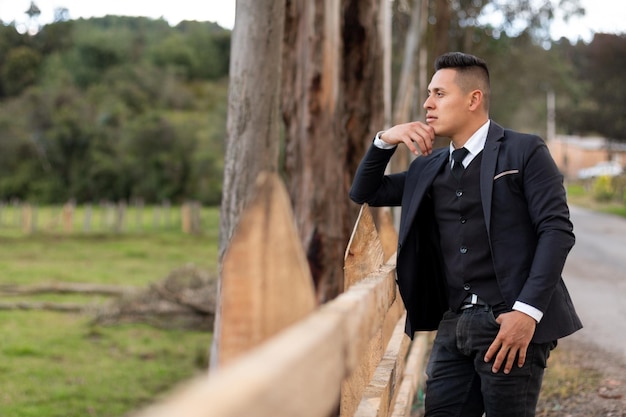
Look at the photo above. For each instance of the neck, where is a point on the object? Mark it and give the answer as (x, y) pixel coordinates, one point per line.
(459, 140)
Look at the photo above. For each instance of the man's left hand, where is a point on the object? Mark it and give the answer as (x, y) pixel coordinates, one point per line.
(516, 331)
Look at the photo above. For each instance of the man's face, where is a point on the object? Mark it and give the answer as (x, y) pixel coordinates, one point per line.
(447, 106)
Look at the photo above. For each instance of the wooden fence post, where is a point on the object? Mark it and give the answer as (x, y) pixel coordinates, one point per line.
(387, 233)
(87, 219)
(120, 216)
(139, 205)
(266, 281)
(68, 217)
(28, 225)
(364, 253)
(185, 218)
(167, 213)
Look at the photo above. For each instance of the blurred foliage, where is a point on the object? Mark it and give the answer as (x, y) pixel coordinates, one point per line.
(525, 63)
(120, 107)
(598, 107)
(113, 108)
(602, 188)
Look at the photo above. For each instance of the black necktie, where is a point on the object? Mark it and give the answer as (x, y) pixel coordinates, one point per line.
(457, 167)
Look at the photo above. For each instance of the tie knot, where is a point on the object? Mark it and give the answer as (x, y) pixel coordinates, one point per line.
(458, 155)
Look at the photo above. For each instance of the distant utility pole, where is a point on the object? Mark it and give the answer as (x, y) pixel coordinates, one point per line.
(551, 129)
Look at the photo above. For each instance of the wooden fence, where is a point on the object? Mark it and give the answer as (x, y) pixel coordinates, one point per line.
(280, 354)
(106, 217)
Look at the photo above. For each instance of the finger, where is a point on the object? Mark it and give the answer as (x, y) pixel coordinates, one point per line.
(510, 361)
(429, 130)
(427, 133)
(427, 146)
(422, 142)
(493, 350)
(521, 360)
(411, 145)
(500, 357)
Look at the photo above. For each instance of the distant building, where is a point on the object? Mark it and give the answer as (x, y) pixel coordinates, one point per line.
(574, 153)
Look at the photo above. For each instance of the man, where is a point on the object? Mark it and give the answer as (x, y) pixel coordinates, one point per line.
(484, 234)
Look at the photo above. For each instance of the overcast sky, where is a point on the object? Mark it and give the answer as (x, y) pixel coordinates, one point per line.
(602, 15)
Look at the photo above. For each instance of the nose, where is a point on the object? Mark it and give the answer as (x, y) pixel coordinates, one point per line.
(428, 103)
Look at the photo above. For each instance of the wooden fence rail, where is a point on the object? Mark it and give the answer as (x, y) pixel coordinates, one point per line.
(280, 355)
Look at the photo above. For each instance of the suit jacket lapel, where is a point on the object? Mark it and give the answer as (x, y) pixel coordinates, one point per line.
(488, 169)
(420, 184)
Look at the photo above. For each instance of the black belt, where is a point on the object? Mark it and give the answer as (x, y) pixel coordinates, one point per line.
(472, 300)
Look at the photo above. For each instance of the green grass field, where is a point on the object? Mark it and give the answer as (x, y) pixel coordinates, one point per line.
(61, 364)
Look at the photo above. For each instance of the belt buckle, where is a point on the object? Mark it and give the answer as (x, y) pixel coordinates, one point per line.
(472, 302)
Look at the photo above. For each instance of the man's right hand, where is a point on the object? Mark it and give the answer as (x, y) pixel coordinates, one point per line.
(411, 134)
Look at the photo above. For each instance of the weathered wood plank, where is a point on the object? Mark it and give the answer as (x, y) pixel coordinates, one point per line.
(396, 310)
(266, 281)
(413, 373)
(368, 324)
(298, 372)
(364, 253)
(387, 234)
(354, 385)
(363, 308)
(379, 395)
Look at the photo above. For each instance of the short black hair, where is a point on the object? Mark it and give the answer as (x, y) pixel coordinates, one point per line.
(472, 71)
(460, 61)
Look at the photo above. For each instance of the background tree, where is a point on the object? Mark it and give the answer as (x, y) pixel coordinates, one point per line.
(20, 69)
(253, 116)
(83, 103)
(331, 105)
(600, 111)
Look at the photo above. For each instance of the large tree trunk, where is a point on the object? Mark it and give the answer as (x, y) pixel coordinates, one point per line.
(332, 105)
(253, 113)
(253, 106)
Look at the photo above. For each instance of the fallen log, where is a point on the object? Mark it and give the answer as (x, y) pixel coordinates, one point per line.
(62, 307)
(66, 288)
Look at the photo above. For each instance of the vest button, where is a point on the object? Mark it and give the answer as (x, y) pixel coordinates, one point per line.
(459, 193)
(463, 250)
(463, 220)
(467, 287)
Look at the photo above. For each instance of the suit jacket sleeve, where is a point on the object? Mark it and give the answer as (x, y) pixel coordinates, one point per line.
(549, 216)
(371, 185)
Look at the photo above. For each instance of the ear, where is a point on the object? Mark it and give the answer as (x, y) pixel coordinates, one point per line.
(476, 99)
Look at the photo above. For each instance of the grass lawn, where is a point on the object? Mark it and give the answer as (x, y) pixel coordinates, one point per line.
(60, 364)
(579, 196)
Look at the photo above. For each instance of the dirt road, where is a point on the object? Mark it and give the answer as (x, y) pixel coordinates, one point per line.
(595, 274)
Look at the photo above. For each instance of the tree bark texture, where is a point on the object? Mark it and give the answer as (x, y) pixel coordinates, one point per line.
(253, 106)
(253, 129)
(332, 106)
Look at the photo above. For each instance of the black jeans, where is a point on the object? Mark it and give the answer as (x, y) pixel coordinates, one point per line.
(461, 384)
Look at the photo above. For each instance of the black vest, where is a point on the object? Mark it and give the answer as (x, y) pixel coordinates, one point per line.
(464, 244)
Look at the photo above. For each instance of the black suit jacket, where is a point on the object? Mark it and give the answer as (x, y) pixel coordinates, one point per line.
(528, 225)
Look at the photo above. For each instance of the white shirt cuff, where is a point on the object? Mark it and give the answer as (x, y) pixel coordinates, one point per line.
(528, 309)
(379, 143)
